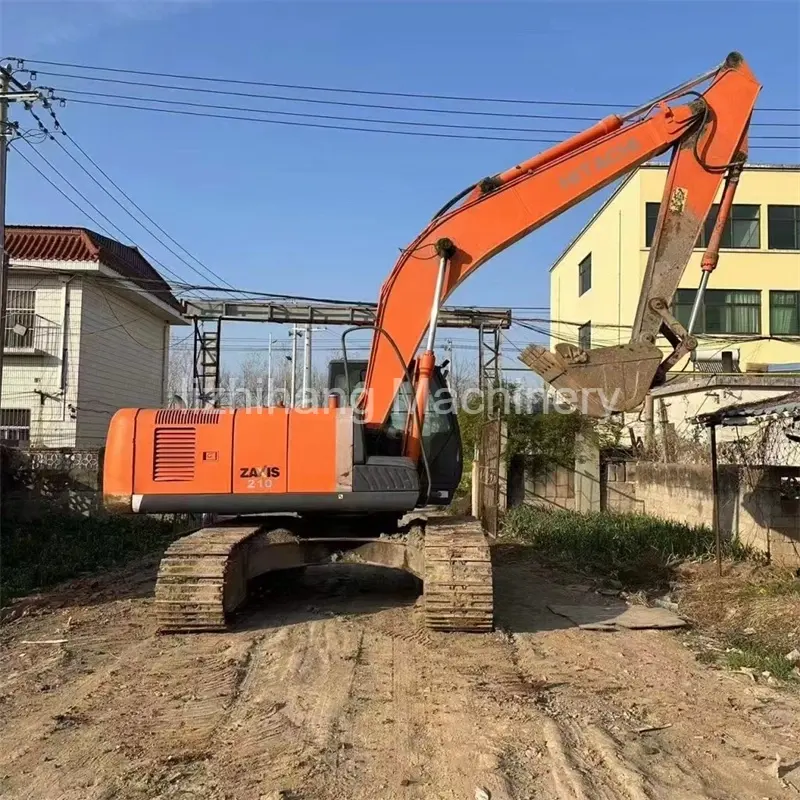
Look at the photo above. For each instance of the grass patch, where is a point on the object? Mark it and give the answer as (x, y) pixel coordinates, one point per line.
(760, 657)
(57, 545)
(634, 548)
(785, 587)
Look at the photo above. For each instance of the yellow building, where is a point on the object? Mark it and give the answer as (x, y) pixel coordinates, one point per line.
(752, 307)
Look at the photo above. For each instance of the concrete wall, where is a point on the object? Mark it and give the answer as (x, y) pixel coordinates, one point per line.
(755, 506)
(681, 492)
(576, 487)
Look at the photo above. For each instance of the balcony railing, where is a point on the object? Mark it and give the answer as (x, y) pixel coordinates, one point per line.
(27, 333)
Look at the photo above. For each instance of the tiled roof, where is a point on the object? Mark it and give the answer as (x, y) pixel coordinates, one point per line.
(52, 243)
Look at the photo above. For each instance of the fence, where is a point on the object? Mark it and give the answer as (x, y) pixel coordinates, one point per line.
(68, 479)
(492, 474)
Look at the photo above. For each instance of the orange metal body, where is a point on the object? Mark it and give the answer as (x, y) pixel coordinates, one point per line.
(212, 452)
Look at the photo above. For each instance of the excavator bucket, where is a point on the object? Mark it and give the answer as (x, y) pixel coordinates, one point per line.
(597, 382)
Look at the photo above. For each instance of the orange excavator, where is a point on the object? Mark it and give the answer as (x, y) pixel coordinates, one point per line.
(331, 483)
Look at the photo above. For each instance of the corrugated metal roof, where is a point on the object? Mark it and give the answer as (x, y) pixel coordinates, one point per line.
(55, 243)
(787, 405)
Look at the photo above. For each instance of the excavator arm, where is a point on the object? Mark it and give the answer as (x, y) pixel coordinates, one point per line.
(708, 137)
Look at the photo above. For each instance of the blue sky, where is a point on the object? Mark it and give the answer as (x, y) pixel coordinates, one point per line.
(295, 210)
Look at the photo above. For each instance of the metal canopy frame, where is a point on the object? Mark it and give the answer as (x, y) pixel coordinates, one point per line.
(207, 317)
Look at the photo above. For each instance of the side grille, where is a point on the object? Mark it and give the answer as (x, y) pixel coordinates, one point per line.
(189, 416)
(174, 454)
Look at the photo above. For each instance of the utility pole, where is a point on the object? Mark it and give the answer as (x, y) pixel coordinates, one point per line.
(293, 384)
(269, 372)
(5, 135)
(306, 401)
(6, 97)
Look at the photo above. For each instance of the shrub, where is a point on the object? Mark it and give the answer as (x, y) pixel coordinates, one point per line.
(634, 547)
(56, 546)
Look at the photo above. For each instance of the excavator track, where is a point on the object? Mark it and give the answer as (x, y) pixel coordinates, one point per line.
(200, 579)
(203, 576)
(458, 587)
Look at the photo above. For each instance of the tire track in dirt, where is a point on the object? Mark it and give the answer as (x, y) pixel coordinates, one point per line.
(360, 702)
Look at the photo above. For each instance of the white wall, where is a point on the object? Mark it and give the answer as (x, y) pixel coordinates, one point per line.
(124, 356)
(33, 381)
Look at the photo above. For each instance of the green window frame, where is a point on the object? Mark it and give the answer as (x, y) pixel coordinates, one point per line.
(733, 311)
(783, 227)
(784, 313)
(585, 275)
(742, 230)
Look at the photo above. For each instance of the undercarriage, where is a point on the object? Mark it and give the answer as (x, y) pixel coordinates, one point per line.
(204, 577)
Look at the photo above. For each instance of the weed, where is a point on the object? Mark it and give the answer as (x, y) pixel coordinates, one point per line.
(636, 548)
(783, 587)
(59, 545)
(753, 654)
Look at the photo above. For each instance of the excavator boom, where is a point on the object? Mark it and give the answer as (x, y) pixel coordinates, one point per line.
(707, 135)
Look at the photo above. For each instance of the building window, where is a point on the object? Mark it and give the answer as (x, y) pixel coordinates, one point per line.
(742, 230)
(585, 275)
(15, 425)
(723, 310)
(783, 227)
(20, 318)
(585, 336)
(784, 313)
(650, 219)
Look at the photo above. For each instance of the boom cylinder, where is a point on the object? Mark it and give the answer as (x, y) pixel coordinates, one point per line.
(597, 131)
(427, 361)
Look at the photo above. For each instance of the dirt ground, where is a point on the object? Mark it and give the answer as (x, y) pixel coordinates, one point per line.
(330, 689)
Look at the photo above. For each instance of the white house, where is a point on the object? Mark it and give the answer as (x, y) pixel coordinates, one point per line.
(86, 332)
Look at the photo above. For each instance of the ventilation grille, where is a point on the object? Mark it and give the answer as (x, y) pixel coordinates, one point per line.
(189, 416)
(174, 456)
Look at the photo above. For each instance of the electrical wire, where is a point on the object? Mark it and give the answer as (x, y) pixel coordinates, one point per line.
(60, 91)
(206, 269)
(349, 128)
(57, 125)
(342, 90)
(77, 206)
(137, 221)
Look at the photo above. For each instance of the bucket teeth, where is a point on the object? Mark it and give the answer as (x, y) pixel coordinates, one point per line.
(601, 381)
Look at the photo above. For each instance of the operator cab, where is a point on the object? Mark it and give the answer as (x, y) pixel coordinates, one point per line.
(441, 438)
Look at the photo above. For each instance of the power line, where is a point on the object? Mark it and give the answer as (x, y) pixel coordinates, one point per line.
(246, 109)
(207, 269)
(57, 125)
(343, 90)
(345, 103)
(319, 101)
(127, 211)
(346, 127)
(314, 124)
(309, 115)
